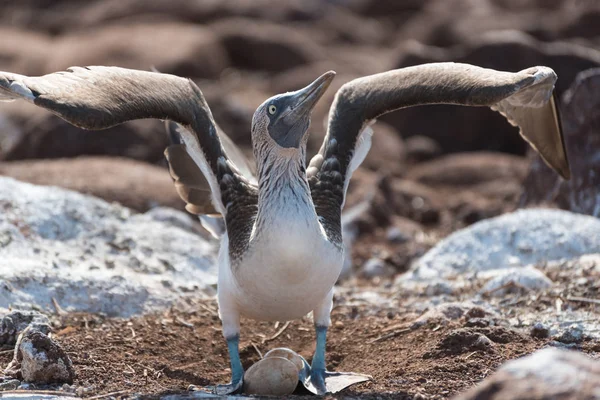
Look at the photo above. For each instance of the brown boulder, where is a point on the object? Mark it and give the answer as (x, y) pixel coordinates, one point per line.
(176, 48)
(470, 169)
(421, 148)
(66, 15)
(23, 52)
(581, 119)
(28, 131)
(132, 183)
(387, 153)
(255, 45)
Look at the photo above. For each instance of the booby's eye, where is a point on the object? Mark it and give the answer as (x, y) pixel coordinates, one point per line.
(272, 109)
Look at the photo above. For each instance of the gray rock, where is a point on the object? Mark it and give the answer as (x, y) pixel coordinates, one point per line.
(16, 321)
(38, 359)
(580, 114)
(573, 334)
(10, 384)
(396, 235)
(529, 278)
(462, 340)
(444, 312)
(375, 267)
(546, 374)
(521, 238)
(93, 256)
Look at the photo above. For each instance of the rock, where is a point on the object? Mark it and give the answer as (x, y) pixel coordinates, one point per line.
(24, 51)
(179, 219)
(91, 14)
(470, 169)
(539, 331)
(396, 235)
(387, 153)
(529, 278)
(54, 238)
(442, 314)
(375, 8)
(525, 237)
(37, 133)
(38, 359)
(15, 322)
(421, 148)
(10, 384)
(375, 267)
(573, 334)
(181, 49)
(274, 376)
(338, 25)
(580, 119)
(412, 200)
(461, 341)
(544, 375)
(264, 46)
(134, 184)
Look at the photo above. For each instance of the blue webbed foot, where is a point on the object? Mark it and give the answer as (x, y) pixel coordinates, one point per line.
(318, 380)
(321, 381)
(233, 387)
(230, 388)
(237, 372)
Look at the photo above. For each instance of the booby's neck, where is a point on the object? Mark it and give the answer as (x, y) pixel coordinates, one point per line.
(283, 191)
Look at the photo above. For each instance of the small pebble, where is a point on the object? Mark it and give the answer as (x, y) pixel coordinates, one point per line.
(539, 331)
(477, 323)
(395, 235)
(374, 267)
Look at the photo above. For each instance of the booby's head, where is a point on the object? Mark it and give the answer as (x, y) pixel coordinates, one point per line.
(282, 121)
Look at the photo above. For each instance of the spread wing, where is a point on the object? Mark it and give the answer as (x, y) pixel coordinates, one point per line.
(190, 183)
(525, 98)
(100, 97)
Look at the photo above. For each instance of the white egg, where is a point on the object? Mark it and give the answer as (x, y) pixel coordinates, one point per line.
(286, 353)
(275, 376)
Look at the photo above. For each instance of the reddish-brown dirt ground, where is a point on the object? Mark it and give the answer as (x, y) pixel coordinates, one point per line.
(165, 353)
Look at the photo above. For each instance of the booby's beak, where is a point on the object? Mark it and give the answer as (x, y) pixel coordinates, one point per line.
(303, 101)
(290, 115)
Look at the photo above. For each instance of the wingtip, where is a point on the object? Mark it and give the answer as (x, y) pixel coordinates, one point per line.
(565, 172)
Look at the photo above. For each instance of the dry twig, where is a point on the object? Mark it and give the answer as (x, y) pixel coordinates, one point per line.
(277, 334)
(389, 335)
(105, 395)
(583, 299)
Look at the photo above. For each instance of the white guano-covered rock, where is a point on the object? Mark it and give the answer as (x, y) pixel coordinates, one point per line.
(93, 256)
(546, 374)
(525, 237)
(528, 278)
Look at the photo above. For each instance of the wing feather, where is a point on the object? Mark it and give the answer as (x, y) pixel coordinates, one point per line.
(525, 98)
(99, 97)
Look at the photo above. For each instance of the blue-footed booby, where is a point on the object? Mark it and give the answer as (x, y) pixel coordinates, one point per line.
(281, 250)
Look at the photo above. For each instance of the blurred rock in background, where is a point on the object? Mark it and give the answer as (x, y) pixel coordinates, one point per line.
(241, 52)
(581, 121)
